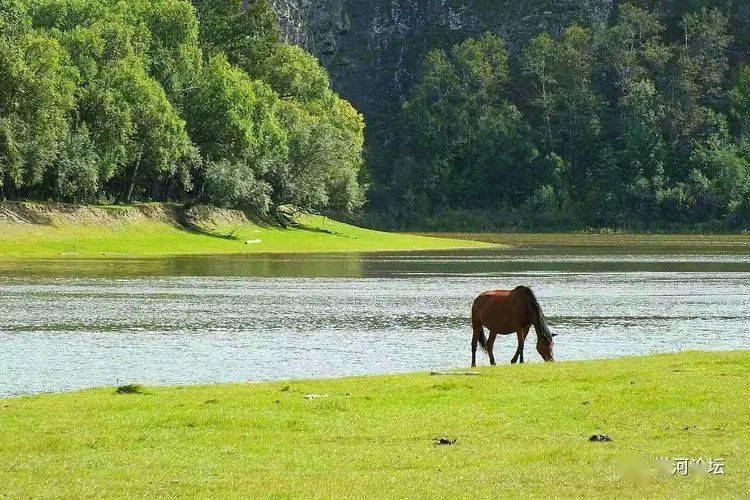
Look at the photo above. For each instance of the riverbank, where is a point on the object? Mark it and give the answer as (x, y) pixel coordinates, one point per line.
(509, 431)
(610, 241)
(35, 230)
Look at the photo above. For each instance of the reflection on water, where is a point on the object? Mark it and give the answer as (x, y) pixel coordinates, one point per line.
(70, 324)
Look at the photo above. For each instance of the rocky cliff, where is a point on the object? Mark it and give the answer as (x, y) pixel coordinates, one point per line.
(372, 48)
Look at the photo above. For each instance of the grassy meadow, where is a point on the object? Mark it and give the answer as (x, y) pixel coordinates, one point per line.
(509, 431)
(114, 231)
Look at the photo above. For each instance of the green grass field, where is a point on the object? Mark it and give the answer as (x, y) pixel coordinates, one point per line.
(144, 237)
(519, 430)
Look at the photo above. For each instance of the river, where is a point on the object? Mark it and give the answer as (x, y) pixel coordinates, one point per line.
(69, 324)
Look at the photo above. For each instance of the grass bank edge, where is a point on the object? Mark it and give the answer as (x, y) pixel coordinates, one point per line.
(145, 238)
(534, 367)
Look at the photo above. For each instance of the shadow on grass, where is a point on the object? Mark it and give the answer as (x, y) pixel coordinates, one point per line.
(322, 230)
(188, 219)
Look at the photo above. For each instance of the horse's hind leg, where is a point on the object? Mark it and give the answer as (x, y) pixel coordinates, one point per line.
(474, 343)
(490, 345)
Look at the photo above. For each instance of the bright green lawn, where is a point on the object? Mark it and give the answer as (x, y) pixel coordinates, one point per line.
(519, 431)
(152, 238)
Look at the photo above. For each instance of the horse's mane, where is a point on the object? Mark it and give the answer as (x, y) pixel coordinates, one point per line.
(542, 328)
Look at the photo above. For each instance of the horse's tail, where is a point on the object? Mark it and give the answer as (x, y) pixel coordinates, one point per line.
(542, 327)
(478, 329)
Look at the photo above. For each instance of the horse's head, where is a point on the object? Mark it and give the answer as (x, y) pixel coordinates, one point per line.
(545, 346)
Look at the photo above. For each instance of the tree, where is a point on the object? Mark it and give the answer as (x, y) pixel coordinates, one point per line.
(538, 61)
(76, 169)
(324, 158)
(35, 98)
(175, 56)
(720, 176)
(232, 120)
(739, 98)
(247, 31)
(129, 112)
(641, 148)
(564, 108)
(634, 46)
(468, 136)
(706, 41)
(131, 100)
(294, 74)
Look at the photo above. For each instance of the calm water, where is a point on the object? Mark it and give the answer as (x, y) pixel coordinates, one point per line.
(73, 324)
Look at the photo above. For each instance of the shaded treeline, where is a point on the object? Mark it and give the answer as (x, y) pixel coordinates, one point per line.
(643, 122)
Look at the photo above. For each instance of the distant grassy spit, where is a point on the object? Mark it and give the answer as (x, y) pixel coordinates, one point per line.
(151, 230)
(508, 431)
(656, 242)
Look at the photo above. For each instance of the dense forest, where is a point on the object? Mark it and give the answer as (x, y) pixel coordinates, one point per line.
(643, 122)
(135, 100)
(640, 120)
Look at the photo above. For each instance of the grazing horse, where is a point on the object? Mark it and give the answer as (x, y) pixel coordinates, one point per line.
(504, 312)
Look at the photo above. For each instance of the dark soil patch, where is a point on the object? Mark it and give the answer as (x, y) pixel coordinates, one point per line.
(442, 441)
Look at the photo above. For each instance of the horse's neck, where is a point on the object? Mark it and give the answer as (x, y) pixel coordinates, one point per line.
(541, 332)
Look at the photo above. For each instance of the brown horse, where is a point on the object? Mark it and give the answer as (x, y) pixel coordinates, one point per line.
(507, 311)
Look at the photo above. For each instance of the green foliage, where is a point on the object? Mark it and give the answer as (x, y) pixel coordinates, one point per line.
(236, 185)
(640, 122)
(233, 117)
(247, 31)
(740, 102)
(36, 96)
(77, 169)
(295, 74)
(324, 156)
(168, 100)
(467, 137)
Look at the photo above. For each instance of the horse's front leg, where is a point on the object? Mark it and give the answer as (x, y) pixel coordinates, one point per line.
(522, 340)
(490, 345)
(519, 350)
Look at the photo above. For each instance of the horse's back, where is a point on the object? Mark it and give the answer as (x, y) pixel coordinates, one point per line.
(500, 296)
(502, 311)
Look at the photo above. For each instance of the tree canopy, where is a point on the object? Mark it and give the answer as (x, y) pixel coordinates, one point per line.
(642, 122)
(639, 121)
(126, 100)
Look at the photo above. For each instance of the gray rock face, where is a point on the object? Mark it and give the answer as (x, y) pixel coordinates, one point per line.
(373, 48)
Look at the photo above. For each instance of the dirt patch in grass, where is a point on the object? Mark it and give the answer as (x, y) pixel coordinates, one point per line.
(62, 214)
